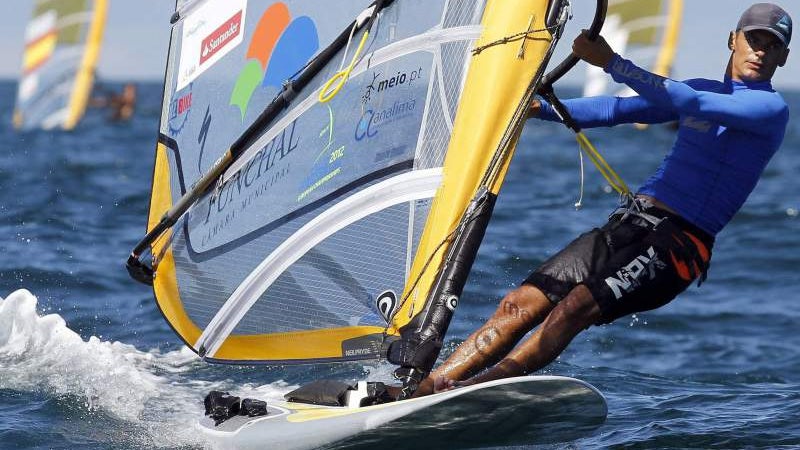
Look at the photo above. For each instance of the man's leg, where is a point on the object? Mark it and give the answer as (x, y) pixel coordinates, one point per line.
(519, 312)
(576, 312)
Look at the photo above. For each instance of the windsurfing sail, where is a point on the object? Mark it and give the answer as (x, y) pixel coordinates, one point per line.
(323, 176)
(646, 31)
(62, 44)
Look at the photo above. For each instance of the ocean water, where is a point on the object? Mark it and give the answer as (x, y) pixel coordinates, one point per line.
(86, 360)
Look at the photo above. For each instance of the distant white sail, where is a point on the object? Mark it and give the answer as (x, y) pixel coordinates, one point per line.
(62, 43)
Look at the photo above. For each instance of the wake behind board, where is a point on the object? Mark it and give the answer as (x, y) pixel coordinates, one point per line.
(513, 411)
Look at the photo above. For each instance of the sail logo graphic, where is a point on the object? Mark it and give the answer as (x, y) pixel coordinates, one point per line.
(367, 127)
(279, 47)
(209, 33)
(387, 305)
(197, 27)
(179, 109)
(220, 37)
(268, 167)
(399, 79)
(328, 163)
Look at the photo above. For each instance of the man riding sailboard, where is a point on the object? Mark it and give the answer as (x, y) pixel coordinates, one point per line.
(659, 241)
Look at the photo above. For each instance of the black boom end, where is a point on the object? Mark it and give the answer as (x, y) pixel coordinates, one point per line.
(139, 271)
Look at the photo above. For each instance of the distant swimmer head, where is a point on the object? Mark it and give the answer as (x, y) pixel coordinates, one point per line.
(768, 17)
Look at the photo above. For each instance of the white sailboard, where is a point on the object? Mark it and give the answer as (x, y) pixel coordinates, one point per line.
(513, 411)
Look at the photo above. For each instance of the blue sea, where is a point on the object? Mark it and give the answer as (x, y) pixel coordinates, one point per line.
(87, 362)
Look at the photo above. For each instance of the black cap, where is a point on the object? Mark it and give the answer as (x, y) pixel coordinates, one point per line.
(768, 17)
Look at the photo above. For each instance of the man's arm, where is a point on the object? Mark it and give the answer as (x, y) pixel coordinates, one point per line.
(758, 112)
(604, 111)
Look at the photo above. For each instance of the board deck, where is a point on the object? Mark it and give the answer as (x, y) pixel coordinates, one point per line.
(512, 411)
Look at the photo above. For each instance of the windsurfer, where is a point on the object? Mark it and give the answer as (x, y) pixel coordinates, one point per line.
(659, 241)
(120, 105)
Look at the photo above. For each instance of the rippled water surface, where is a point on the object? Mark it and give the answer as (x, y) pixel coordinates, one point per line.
(86, 361)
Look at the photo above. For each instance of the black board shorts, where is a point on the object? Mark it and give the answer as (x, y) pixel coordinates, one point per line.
(629, 265)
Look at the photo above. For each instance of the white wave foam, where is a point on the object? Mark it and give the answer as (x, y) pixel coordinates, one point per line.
(152, 392)
(41, 353)
(149, 391)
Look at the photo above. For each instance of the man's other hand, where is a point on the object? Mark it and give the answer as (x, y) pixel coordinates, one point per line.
(535, 109)
(597, 53)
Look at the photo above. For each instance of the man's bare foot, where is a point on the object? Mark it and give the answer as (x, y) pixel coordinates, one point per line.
(394, 391)
(442, 384)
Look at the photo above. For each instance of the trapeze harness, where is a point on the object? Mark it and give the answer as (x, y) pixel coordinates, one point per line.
(693, 244)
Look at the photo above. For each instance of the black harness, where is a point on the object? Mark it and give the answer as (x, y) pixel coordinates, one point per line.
(668, 230)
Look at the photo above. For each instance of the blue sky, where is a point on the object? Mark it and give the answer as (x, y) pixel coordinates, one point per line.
(138, 32)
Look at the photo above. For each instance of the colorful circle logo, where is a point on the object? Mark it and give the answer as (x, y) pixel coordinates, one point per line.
(279, 48)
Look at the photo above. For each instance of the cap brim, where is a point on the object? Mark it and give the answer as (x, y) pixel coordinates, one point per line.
(766, 28)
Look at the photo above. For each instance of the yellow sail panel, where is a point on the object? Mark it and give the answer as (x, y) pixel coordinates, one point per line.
(497, 80)
(165, 283)
(315, 345)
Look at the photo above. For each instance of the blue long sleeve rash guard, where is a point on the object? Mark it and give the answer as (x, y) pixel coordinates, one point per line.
(728, 131)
